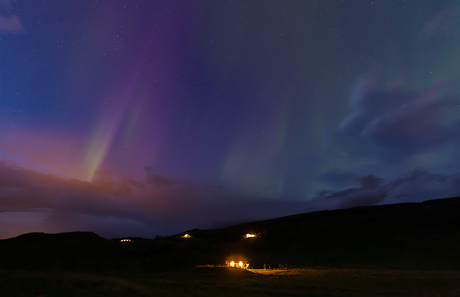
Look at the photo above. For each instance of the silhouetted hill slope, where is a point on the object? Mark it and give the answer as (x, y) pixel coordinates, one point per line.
(406, 236)
(70, 251)
(86, 251)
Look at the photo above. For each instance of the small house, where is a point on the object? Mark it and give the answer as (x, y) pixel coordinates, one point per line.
(250, 235)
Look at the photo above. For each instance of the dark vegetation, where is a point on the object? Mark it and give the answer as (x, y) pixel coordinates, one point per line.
(322, 250)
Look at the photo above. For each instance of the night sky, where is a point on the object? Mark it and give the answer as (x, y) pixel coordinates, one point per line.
(145, 118)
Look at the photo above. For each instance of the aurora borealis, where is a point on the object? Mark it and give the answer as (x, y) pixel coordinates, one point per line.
(144, 118)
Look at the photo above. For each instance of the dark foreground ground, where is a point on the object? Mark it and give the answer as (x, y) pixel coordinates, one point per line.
(235, 282)
(410, 249)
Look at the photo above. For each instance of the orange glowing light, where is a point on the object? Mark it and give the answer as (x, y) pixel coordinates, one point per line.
(250, 235)
(125, 240)
(239, 264)
(186, 236)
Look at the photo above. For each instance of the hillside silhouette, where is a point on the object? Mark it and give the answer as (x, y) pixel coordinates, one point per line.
(399, 236)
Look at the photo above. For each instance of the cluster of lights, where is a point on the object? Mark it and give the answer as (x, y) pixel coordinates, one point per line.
(125, 240)
(250, 235)
(239, 264)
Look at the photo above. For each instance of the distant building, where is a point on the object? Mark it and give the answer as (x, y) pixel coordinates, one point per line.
(126, 240)
(237, 264)
(186, 236)
(250, 235)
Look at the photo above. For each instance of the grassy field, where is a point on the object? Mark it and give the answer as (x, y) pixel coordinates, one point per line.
(235, 282)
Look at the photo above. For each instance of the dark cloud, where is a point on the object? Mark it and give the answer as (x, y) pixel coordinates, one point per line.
(424, 185)
(338, 179)
(118, 206)
(420, 185)
(370, 181)
(159, 181)
(372, 190)
(114, 206)
(392, 124)
(390, 129)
